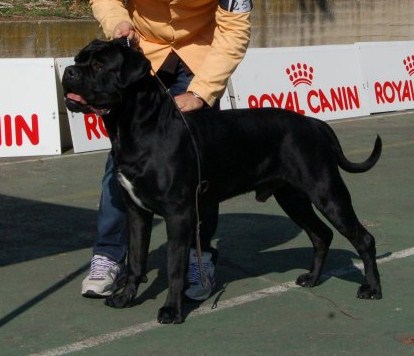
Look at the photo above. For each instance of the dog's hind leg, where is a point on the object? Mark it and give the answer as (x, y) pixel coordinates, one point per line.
(339, 211)
(140, 225)
(180, 230)
(299, 208)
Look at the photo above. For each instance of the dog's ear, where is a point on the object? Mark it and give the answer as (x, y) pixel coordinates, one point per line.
(85, 53)
(134, 68)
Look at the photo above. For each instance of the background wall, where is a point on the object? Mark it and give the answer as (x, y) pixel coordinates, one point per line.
(45, 38)
(276, 23)
(280, 23)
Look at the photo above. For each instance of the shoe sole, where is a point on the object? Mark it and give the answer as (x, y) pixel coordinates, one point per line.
(93, 295)
(119, 283)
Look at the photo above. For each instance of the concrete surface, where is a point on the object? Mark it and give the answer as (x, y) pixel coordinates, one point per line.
(47, 227)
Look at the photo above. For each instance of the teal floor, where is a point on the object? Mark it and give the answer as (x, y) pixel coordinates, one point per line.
(47, 227)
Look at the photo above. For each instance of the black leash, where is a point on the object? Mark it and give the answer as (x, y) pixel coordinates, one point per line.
(199, 190)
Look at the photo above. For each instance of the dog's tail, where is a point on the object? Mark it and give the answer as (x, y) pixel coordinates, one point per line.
(361, 167)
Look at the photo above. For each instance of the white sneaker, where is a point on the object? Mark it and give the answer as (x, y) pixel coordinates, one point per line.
(105, 277)
(196, 290)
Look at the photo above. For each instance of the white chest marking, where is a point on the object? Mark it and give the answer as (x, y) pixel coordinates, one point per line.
(130, 189)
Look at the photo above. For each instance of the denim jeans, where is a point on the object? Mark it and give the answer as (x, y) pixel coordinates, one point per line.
(112, 239)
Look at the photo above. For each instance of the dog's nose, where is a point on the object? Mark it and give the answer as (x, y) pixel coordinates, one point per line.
(69, 73)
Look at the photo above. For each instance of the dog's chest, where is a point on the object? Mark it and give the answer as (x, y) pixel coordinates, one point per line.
(130, 189)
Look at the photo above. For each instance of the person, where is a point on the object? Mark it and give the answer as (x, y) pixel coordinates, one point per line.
(194, 47)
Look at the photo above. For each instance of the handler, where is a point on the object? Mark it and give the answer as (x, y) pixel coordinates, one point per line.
(194, 46)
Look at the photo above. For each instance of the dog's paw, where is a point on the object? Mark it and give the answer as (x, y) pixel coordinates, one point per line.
(366, 292)
(168, 315)
(119, 301)
(307, 280)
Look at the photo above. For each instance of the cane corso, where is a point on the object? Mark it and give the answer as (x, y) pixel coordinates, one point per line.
(165, 158)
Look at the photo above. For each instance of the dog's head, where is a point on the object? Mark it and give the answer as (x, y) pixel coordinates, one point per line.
(102, 72)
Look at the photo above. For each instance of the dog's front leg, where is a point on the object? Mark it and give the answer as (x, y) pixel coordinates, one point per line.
(139, 224)
(180, 230)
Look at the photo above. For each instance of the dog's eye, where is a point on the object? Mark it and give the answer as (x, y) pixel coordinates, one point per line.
(97, 66)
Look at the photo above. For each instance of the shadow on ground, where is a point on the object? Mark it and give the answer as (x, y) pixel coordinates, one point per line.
(247, 244)
(32, 229)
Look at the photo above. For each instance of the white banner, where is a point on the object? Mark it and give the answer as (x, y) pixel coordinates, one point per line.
(388, 69)
(29, 116)
(225, 101)
(324, 81)
(87, 130)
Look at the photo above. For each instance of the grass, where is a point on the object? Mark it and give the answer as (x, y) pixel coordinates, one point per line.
(72, 9)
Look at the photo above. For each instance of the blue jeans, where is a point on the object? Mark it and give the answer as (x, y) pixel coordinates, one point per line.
(112, 239)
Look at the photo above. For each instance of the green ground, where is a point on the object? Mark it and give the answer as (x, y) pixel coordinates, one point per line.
(47, 226)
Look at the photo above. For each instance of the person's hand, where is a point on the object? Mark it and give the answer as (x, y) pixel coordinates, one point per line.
(125, 29)
(188, 102)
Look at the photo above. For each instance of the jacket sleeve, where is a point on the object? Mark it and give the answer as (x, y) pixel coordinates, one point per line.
(109, 13)
(230, 42)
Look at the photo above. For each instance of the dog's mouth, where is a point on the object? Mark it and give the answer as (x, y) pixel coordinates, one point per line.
(76, 103)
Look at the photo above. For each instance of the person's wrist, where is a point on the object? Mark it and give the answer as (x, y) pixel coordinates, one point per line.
(195, 95)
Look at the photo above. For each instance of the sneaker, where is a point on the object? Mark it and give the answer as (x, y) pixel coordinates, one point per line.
(196, 290)
(105, 277)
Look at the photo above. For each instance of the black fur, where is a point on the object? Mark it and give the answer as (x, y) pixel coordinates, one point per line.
(271, 151)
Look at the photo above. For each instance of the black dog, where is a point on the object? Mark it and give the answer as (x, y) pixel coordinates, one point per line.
(163, 155)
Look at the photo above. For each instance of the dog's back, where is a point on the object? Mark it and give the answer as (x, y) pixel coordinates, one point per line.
(243, 149)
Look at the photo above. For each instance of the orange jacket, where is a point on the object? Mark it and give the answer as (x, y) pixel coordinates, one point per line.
(210, 40)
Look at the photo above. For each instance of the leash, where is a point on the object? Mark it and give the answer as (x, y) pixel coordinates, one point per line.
(199, 190)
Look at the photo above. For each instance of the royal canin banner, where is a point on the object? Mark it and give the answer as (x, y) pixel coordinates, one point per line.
(29, 116)
(388, 69)
(324, 81)
(225, 101)
(327, 82)
(87, 130)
